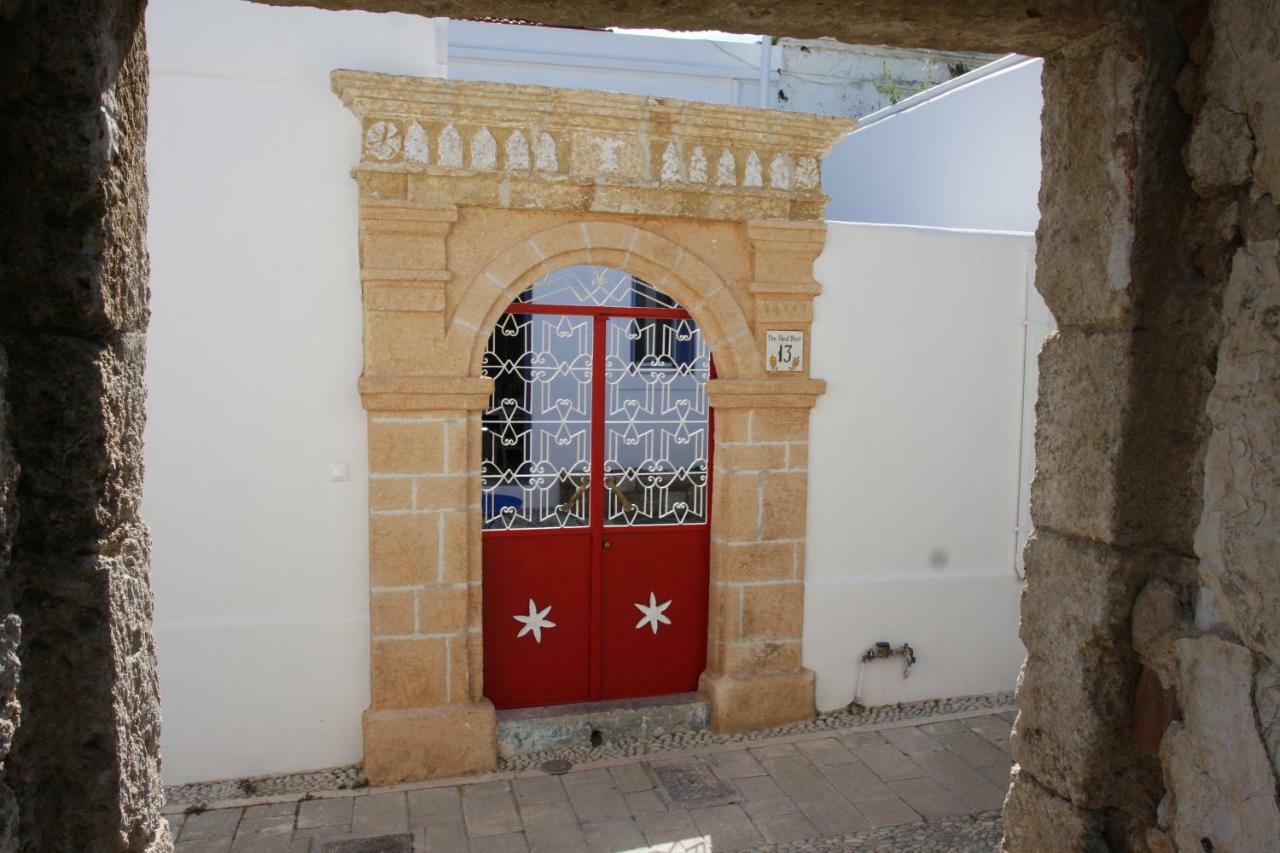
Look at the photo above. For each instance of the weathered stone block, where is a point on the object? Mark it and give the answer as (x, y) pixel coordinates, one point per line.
(426, 743)
(409, 673)
(1036, 820)
(404, 549)
(784, 498)
(391, 613)
(742, 704)
(762, 561)
(442, 610)
(1218, 775)
(1081, 413)
(406, 447)
(773, 611)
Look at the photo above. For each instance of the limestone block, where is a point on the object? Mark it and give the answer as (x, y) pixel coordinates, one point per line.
(1037, 820)
(409, 673)
(1078, 681)
(773, 611)
(404, 549)
(406, 447)
(742, 704)
(1236, 537)
(783, 497)
(391, 613)
(744, 660)
(1217, 772)
(762, 561)
(1081, 413)
(426, 743)
(442, 609)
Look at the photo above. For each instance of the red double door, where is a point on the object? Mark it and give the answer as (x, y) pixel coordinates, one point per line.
(596, 504)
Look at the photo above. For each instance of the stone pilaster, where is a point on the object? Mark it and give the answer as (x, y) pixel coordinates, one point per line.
(754, 674)
(426, 715)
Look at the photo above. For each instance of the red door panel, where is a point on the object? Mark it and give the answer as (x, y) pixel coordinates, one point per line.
(553, 569)
(671, 565)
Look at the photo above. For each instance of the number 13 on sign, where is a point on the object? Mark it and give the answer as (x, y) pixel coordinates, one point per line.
(784, 351)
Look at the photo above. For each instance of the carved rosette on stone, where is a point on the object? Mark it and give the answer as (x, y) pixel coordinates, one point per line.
(468, 193)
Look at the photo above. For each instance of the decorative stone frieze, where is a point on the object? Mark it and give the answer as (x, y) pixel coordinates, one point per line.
(589, 151)
(469, 192)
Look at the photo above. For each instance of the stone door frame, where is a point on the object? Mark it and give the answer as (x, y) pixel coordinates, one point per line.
(469, 192)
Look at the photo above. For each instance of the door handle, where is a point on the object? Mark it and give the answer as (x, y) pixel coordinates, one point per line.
(608, 544)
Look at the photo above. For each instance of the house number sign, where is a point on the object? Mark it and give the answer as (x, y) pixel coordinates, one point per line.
(784, 351)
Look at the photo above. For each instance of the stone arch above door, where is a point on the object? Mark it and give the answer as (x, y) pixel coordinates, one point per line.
(467, 193)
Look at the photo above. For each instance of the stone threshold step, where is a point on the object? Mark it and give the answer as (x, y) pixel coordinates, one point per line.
(526, 730)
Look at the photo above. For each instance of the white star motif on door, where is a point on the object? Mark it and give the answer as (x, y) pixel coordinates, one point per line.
(535, 621)
(653, 614)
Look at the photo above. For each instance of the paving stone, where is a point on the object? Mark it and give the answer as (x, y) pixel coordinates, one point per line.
(630, 777)
(796, 775)
(989, 726)
(259, 842)
(599, 776)
(271, 810)
(769, 808)
(300, 845)
(1005, 746)
(551, 825)
(728, 827)
(273, 825)
(612, 836)
(911, 741)
(597, 803)
(644, 802)
(538, 789)
(204, 845)
(974, 750)
(998, 776)
(831, 813)
(929, 798)
(826, 750)
(491, 814)
(855, 781)
(218, 823)
(854, 740)
(327, 812)
(759, 788)
(786, 827)
(777, 750)
(943, 727)
(323, 831)
(434, 805)
(890, 811)
(480, 789)
(977, 792)
(510, 843)
(887, 762)
(377, 814)
(451, 838)
(737, 764)
(667, 827)
(396, 842)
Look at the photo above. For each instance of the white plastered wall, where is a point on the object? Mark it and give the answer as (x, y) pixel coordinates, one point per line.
(259, 558)
(916, 474)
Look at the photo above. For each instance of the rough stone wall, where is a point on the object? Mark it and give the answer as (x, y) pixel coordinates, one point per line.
(10, 633)
(1221, 759)
(73, 293)
(1152, 597)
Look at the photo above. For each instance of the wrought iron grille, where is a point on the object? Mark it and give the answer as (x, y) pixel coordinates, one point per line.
(538, 431)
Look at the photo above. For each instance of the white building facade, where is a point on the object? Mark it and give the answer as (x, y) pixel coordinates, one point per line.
(256, 452)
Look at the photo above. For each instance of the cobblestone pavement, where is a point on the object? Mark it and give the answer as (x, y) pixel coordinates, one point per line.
(901, 787)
